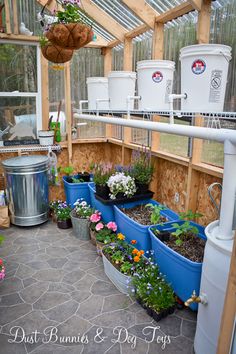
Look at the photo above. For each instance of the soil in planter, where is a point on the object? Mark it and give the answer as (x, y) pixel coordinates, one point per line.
(192, 247)
(141, 215)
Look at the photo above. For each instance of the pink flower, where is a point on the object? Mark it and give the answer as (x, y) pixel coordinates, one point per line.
(112, 226)
(99, 226)
(95, 217)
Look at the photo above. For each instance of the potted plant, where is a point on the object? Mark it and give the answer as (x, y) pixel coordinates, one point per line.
(142, 169)
(106, 210)
(101, 174)
(84, 175)
(153, 293)
(121, 186)
(178, 251)
(121, 261)
(53, 52)
(105, 234)
(70, 30)
(53, 205)
(95, 218)
(63, 216)
(80, 218)
(68, 170)
(136, 217)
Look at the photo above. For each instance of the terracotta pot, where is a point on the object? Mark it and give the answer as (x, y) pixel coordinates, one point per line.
(70, 35)
(56, 54)
(93, 237)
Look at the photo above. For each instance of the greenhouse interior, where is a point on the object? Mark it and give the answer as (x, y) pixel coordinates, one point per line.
(117, 176)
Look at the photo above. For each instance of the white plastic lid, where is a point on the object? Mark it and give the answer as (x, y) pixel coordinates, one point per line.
(122, 74)
(206, 49)
(155, 64)
(96, 79)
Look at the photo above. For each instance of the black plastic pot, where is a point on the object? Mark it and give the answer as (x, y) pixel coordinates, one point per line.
(164, 236)
(120, 195)
(84, 176)
(64, 224)
(69, 179)
(149, 311)
(102, 191)
(141, 187)
(157, 316)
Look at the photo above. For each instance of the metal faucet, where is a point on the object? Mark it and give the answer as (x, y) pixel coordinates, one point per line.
(196, 299)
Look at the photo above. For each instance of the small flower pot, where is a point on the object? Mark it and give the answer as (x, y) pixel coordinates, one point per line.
(64, 224)
(142, 188)
(84, 176)
(92, 237)
(149, 311)
(80, 226)
(102, 191)
(157, 316)
(171, 310)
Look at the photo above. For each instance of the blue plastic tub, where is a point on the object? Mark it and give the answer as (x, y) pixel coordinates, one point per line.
(183, 274)
(135, 231)
(75, 191)
(106, 210)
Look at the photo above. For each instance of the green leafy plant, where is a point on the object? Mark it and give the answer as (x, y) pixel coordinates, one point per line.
(156, 212)
(142, 168)
(82, 209)
(105, 236)
(118, 257)
(182, 230)
(70, 14)
(126, 267)
(68, 170)
(189, 215)
(101, 173)
(43, 41)
(63, 211)
(2, 238)
(77, 180)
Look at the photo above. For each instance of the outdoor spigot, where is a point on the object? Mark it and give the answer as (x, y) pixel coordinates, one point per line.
(196, 299)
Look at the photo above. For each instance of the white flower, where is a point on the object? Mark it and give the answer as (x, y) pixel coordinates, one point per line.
(83, 204)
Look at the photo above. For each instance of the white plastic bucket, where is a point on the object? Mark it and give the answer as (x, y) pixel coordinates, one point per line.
(204, 70)
(46, 137)
(97, 88)
(121, 85)
(155, 82)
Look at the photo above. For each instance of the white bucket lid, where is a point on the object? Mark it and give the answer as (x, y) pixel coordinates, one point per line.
(206, 49)
(96, 79)
(122, 74)
(155, 64)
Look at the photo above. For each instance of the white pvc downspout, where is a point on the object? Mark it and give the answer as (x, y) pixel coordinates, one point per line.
(81, 103)
(128, 101)
(226, 136)
(99, 100)
(173, 97)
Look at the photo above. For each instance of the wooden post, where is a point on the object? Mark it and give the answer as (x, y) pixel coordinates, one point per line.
(15, 17)
(229, 311)
(204, 22)
(158, 41)
(7, 16)
(45, 92)
(107, 52)
(128, 54)
(68, 109)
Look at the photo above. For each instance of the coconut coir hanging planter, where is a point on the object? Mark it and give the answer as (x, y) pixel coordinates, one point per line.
(56, 54)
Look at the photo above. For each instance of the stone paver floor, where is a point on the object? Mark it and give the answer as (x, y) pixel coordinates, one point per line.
(56, 299)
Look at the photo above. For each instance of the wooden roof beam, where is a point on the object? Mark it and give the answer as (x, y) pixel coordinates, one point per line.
(197, 4)
(177, 11)
(143, 10)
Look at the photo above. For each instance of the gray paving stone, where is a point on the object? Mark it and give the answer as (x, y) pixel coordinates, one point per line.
(188, 329)
(10, 274)
(115, 349)
(62, 312)
(27, 249)
(11, 348)
(7, 251)
(57, 349)
(82, 256)
(144, 332)
(57, 263)
(87, 265)
(54, 275)
(11, 285)
(72, 327)
(104, 288)
(71, 265)
(80, 295)
(88, 246)
(20, 258)
(24, 271)
(73, 276)
(170, 325)
(42, 257)
(91, 307)
(29, 281)
(56, 251)
(98, 343)
(24, 240)
(142, 317)
(179, 345)
(98, 272)
(61, 287)
(51, 237)
(10, 266)
(38, 265)
(9, 314)
(49, 300)
(133, 345)
(186, 314)
(33, 292)
(119, 318)
(9, 300)
(116, 302)
(135, 307)
(86, 282)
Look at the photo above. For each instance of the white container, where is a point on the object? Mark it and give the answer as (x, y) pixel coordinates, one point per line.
(215, 272)
(204, 70)
(121, 84)
(155, 82)
(97, 88)
(46, 137)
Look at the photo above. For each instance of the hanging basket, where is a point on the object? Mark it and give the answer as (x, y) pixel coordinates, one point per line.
(56, 54)
(70, 35)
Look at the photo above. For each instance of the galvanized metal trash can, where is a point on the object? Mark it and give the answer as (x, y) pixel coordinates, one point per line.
(27, 189)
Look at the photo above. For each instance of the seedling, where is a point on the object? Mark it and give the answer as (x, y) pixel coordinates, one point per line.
(68, 170)
(183, 230)
(156, 212)
(189, 215)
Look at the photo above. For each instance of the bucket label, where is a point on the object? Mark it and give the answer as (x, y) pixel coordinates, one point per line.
(157, 76)
(198, 66)
(216, 83)
(168, 90)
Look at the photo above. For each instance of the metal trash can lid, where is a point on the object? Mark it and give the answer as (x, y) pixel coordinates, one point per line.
(25, 161)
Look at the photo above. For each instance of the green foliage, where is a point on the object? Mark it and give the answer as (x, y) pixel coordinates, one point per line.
(105, 236)
(117, 257)
(156, 212)
(142, 168)
(71, 14)
(2, 238)
(43, 41)
(101, 173)
(189, 215)
(183, 230)
(68, 170)
(77, 180)
(126, 267)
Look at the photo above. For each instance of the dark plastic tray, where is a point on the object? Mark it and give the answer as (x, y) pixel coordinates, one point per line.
(147, 195)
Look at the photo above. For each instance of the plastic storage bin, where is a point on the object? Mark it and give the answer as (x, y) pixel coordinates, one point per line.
(75, 191)
(106, 210)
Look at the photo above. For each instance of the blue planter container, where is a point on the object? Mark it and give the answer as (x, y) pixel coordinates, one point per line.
(183, 274)
(135, 231)
(106, 210)
(75, 191)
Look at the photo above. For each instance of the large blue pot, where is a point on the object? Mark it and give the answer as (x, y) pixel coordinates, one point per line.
(75, 191)
(135, 231)
(106, 210)
(183, 274)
